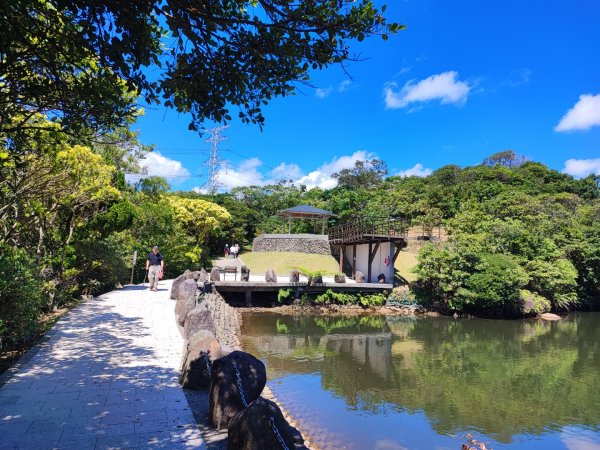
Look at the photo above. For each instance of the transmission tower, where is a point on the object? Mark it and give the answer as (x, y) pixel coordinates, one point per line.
(214, 161)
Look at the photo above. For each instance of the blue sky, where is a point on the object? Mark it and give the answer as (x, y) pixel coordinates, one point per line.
(465, 79)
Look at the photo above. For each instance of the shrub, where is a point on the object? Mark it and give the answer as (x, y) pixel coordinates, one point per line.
(555, 280)
(21, 296)
(284, 294)
(496, 284)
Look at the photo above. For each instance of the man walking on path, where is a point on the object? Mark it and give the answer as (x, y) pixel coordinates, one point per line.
(154, 265)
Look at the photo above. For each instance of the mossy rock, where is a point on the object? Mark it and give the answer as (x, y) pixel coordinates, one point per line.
(532, 303)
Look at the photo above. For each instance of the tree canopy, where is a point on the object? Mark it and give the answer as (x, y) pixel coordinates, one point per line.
(84, 62)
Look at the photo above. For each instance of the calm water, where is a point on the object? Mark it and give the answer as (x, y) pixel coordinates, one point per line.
(392, 383)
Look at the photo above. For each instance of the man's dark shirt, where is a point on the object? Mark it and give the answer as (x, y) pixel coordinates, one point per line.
(155, 260)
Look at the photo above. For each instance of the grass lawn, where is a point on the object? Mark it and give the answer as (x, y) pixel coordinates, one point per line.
(283, 262)
(406, 260)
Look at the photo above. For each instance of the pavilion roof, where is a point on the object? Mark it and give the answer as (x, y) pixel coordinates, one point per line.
(305, 211)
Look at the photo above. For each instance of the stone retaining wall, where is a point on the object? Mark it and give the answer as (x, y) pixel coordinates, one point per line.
(227, 322)
(302, 243)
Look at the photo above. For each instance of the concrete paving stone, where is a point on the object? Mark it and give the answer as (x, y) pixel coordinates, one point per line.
(117, 418)
(78, 443)
(152, 426)
(34, 440)
(13, 426)
(92, 397)
(144, 440)
(119, 429)
(144, 405)
(8, 399)
(23, 411)
(109, 367)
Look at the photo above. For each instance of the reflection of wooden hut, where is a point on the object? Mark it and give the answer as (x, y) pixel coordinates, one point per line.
(306, 212)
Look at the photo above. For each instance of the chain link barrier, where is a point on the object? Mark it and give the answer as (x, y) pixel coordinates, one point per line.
(245, 403)
(208, 365)
(277, 433)
(239, 385)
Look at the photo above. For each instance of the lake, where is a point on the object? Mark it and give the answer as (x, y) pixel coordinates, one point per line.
(388, 383)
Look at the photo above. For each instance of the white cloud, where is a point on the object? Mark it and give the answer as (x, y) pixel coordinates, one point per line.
(584, 115)
(444, 87)
(322, 93)
(518, 77)
(580, 168)
(155, 164)
(321, 177)
(247, 173)
(286, 171)
(418, 170)
(344, 86)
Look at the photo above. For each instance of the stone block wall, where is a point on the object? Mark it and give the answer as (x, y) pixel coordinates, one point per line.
(302, 243)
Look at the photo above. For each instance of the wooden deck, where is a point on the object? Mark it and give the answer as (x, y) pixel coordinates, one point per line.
(369, 229)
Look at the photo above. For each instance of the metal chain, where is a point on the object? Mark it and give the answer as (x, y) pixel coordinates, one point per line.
(208, 365)
(277, 433)
(239, 384)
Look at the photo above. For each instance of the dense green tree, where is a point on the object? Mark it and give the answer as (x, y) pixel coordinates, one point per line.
(364, 175)
(74, 59)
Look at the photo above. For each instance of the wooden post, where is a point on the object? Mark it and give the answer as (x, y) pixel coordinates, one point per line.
(341, 258)
(353, 260)
(133, 265)
(248, 298)
(370, 260)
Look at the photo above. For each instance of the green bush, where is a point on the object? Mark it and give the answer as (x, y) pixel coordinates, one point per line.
(331, 297)
(284, 294)
(21, 296)
(496, 284)
(555, 280)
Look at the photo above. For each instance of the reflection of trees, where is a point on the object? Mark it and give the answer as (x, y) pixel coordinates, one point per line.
(503, 377)
(500, 377)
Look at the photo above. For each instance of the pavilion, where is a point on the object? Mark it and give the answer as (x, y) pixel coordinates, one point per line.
(305, 212)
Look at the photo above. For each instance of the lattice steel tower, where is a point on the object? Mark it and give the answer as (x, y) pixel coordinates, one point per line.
(214, 161)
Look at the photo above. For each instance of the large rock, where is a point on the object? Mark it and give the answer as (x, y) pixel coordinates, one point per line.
(359, 277)
(294, 276)
(186, 301)
(549, 316)
(203, 276)
(532, 304)
(175, 287)
(245, 273)
(200, 353)
(199, 318)
(225, 398)
(316, 279)
(270, 276)
(215, 274)
(252, 428)
(339, 278)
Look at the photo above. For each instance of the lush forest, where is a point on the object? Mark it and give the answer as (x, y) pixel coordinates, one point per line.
(75, 75)
(522, 238)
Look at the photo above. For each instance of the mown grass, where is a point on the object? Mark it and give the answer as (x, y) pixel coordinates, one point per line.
(283, 262)
(406, 260)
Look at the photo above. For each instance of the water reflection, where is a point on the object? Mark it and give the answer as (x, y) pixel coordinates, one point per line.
(516, 382)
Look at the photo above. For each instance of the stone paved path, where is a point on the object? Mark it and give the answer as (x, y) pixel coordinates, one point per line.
(105, 377)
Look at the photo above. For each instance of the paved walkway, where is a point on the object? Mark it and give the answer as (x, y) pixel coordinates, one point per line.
(105, 377)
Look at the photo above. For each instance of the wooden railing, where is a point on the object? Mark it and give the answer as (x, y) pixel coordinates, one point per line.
(369, 227)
